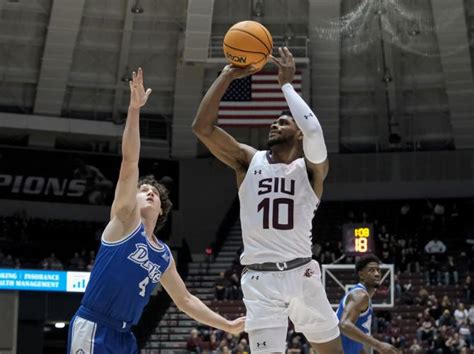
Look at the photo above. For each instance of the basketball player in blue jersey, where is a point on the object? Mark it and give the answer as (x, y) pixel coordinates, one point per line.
(355, 310)
(131, 259)
(279, 191)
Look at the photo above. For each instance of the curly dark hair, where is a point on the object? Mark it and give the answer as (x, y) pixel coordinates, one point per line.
(362, 262)
(166, 203)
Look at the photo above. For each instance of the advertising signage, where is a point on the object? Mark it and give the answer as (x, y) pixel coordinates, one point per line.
(43, 280)
(68, 177)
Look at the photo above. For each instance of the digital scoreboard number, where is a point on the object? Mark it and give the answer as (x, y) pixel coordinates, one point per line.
(358, 239)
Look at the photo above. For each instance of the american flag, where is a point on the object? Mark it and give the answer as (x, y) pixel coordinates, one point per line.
(255, 100)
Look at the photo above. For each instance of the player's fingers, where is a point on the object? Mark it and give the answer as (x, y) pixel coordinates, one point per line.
(140, 75)
(148, 92)
(282, 54)
(253, 69)
(287, 54)
(275, 61)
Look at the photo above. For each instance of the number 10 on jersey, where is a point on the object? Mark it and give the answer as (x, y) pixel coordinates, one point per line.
(273, 211)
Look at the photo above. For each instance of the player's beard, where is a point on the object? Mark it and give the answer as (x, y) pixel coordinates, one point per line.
(276, 141)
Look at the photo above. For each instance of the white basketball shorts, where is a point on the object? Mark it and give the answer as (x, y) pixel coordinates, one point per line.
(273, 297)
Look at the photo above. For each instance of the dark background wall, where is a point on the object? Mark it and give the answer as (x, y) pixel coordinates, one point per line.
(207, 189)
(36, 311)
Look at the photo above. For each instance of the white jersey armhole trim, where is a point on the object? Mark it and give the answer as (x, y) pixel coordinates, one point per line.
(248, 169)
(308, 182)
(121, 241)
(169, 263)
(171, 259)
(159, 247)
(353, 290)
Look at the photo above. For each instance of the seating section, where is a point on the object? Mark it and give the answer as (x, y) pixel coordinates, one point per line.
(402, 230)
(407, 234)
(37, 243)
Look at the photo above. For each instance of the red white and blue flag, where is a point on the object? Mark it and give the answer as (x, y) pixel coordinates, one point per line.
(255, 100)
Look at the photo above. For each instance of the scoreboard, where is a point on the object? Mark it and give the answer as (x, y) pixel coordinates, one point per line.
(358, 239)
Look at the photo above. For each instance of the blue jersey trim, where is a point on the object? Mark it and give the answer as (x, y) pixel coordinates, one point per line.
(123, 240)
(158, 244)
(171, 259)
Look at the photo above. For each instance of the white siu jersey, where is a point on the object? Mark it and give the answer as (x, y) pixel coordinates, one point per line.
(277, 205)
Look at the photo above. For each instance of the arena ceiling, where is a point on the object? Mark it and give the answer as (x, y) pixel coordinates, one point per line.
(381, 74)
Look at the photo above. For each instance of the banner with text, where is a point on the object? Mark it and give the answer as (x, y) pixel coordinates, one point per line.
(68, 177)
(43, 280)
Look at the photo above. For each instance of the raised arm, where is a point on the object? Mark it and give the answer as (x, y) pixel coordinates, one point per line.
(357, 303)
(194, 307)
(220, 143)
(124, 215)
(314, 147)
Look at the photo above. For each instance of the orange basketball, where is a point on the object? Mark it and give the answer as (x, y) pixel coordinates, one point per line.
(247, 43)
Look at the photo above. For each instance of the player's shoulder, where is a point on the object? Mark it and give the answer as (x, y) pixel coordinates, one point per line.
(358, 294)
(249, 149)
(247, 154)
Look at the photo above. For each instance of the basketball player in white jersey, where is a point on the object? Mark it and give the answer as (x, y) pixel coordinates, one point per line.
(279, 191)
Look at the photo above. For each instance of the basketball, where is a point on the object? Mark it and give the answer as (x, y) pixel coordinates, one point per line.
(248, 43)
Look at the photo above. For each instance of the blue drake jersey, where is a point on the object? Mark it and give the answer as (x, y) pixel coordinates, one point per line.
(124, 275)
(363, 322)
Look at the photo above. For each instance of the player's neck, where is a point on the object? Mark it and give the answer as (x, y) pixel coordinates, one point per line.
(283, 154)
(149, 223)
(370, 290)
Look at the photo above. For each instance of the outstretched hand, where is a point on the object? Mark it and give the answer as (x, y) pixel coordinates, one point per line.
(235, 72)
(286, 66)
(138, 95)
(236, 326)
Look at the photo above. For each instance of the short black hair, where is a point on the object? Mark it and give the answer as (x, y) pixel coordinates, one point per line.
(286, 112)
(166, 203)
(362, 262)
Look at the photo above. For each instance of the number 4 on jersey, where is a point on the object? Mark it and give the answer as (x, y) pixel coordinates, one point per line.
(142, 285)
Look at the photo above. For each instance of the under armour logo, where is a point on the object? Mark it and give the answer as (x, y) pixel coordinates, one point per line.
(257, 172)
(309, 115)
(255, 277)
(263, 344)
(281, 266)
(80, 351)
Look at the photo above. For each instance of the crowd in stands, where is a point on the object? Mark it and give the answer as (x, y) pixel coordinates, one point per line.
(212, 341)
(432, 239)
(81, 261)
(216, 341)
(54, 244)
(443, 326)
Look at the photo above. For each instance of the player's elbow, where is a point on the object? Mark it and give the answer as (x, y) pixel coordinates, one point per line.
(345, 325)
(196, 127)
(200, 129)
(183, 302)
